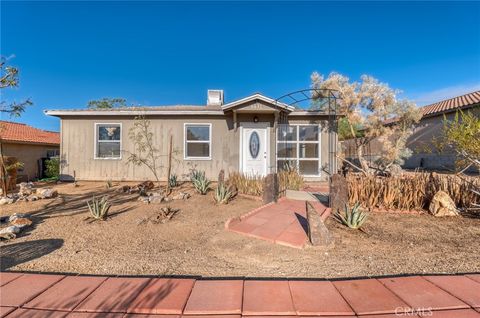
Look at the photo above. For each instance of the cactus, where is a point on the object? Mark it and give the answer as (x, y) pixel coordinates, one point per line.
(201, 183)
(172, 181)
(354, 218)
(223, 194)
(99, 208)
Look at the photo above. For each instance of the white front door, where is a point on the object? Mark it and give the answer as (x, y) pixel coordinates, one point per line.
(254, 151)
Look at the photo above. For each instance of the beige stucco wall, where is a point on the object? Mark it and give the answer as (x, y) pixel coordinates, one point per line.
(78, 144)
(28, 154)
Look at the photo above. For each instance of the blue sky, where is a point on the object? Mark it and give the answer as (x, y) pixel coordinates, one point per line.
(158, 53)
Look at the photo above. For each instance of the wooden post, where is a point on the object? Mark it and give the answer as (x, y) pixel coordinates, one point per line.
(169, 170)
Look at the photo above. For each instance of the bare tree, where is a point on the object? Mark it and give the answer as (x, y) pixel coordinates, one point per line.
(371, 105)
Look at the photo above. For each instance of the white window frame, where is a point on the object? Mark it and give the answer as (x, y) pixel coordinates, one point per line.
(297, 142)
(209, 125)
(96, 141)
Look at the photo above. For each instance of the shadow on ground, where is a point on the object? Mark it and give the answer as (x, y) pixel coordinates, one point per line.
(18, 253)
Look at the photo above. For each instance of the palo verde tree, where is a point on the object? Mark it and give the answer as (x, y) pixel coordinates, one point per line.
(107, 103)
(8, 79)
(370, 105)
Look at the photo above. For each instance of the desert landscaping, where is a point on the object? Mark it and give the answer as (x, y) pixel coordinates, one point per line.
(63, 238)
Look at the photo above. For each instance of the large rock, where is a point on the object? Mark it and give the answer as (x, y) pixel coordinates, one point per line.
(47, 193)
(318, 234)
(338, 193)
(442, 205)
(6, 200)
(21, 222)
(181, 196)
(26, 188)
(270, 188)
(15, 216)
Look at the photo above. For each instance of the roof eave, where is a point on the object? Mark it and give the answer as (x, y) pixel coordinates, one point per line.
(60, 113)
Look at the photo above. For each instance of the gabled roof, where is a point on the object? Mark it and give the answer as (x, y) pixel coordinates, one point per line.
(22, 133)
(257, 96)
(451, 104)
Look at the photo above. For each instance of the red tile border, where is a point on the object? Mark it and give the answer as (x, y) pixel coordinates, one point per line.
(267, 298)
(463, 288)
(36, 313)
(6, 277)
(216, 297)
(6, 310)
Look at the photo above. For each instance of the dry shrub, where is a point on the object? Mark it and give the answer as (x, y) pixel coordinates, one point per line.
(410, 191)
(246, 184)
(290, 179)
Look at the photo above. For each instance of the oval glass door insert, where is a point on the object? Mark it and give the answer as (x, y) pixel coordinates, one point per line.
(254, 145)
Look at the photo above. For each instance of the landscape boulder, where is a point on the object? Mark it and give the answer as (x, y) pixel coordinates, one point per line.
(442, 205)
(21, 222)
(15, 216)
(156, 198)
(26, 188)
(181, 196)
(270, 188)
(338, 192)
(47, 193)
(6, 200)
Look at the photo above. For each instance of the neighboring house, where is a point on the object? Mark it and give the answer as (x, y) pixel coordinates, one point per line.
(30, 145)
(252, 135)
(429, 130)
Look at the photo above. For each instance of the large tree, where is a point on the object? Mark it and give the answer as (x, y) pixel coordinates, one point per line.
(106, 103)
(375, 108)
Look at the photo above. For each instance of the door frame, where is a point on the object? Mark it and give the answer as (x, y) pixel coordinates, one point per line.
(259, 125)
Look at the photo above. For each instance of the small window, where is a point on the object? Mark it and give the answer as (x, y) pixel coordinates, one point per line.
(108, 141)
(53, 153)
(198, 141)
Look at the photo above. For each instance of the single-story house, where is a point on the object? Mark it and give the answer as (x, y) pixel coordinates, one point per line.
(426, 134)
(254, 135)
(30, 145)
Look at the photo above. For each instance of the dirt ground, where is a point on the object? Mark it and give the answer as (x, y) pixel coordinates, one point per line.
(195, 243)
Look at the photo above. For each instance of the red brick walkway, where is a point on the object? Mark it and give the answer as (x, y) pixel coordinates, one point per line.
(282, 223)
(33, 295)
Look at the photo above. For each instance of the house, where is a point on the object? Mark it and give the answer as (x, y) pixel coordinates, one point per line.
(30, 145)
(254, 135)
(427, 131)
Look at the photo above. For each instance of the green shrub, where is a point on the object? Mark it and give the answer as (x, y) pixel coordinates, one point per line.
(172, 181)
(201, 183)
(99, 208)
(223, 194)
(354, 218)
(52, 168)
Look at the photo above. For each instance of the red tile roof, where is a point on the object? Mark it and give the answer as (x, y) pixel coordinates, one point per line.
(451, 104)
(17, 132)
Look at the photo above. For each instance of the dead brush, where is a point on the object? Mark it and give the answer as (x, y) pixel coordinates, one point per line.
(250, 185)
(163, 215)
(290, 179)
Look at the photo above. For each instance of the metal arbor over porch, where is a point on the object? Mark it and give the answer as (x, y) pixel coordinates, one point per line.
(323, 102)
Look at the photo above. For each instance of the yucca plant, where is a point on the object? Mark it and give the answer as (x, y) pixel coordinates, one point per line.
(196, 174)
(222, 194)
(172, 181)
(99, 208)
(201, 183)
(109, 184)
(354, 218)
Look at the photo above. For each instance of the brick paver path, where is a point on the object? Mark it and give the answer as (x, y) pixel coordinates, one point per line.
(39, 295)
(282, 223)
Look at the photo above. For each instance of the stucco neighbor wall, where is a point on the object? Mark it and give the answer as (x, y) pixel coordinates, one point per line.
(28, 154)
(78, 144)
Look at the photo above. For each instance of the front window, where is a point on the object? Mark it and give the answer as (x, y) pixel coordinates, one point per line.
(108, 141)
(298, 147)
(198, 141)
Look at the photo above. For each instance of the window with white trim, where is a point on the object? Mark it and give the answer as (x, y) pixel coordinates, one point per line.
(198, 141)
(298, 147)
(108, 140)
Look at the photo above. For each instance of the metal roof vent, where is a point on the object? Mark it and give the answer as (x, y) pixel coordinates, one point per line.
(215, 97)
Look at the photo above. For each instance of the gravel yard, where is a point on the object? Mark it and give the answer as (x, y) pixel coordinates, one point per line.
(195, 242)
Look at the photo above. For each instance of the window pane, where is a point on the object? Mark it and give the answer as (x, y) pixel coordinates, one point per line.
(108, 150)
(308, 133)
(308, 150)
(287, 133)
(198, 133)
(286, 164)
(108, 132)
(286, 150)
(308, 167)
(198, 149)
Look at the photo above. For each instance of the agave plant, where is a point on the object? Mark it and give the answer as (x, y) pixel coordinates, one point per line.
(201, 183)
(196, 174)
(172, 181)
(222, 194)
(354, 218)
(109, 184)
(99, 208)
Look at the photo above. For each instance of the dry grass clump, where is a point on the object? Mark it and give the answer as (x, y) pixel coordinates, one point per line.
(246, 184)
(410, 191)
(290, 179)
